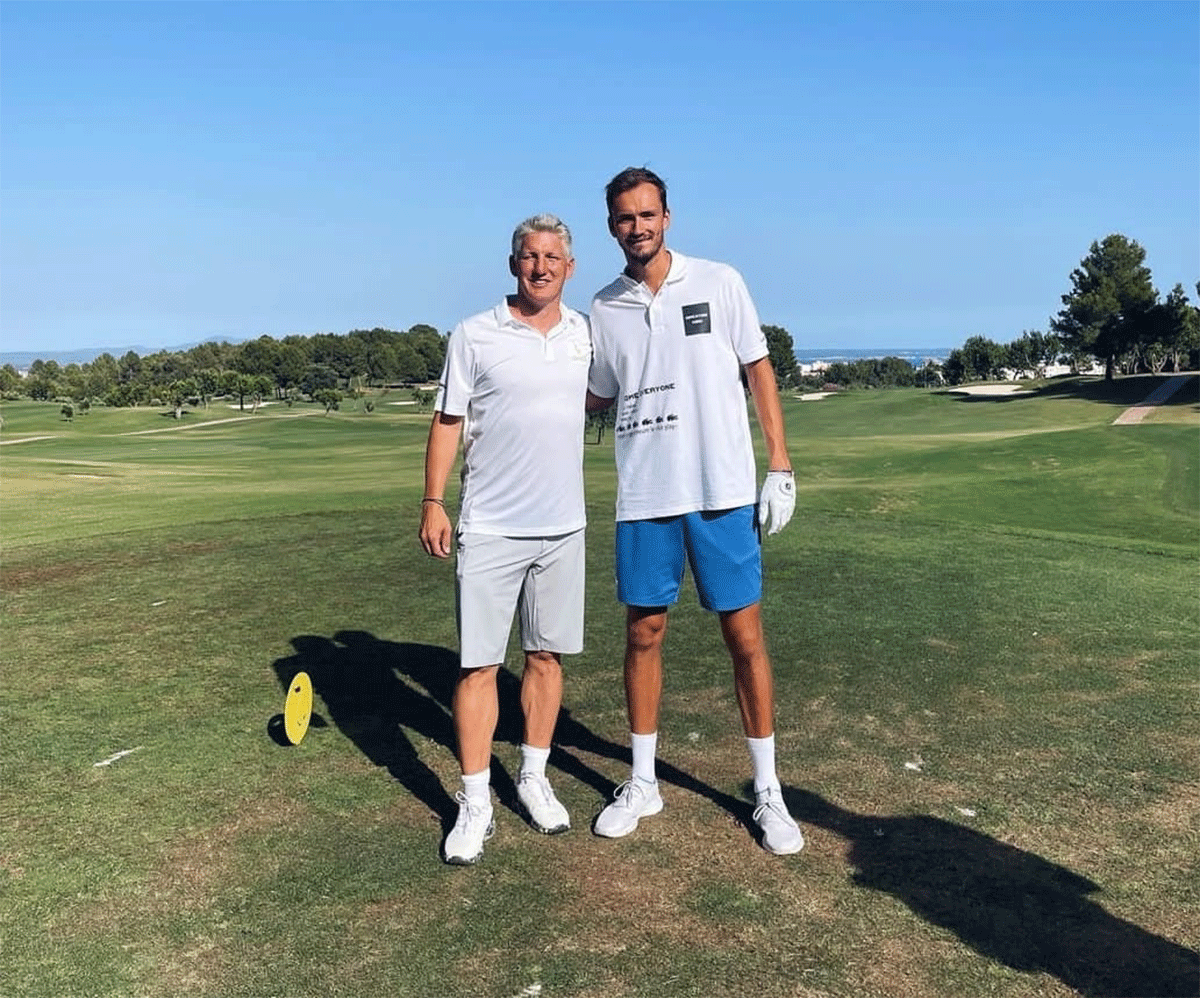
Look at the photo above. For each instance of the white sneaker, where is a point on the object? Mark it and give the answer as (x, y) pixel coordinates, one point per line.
(634, 799)
(546, 814)
(473, 827)
(780, 833)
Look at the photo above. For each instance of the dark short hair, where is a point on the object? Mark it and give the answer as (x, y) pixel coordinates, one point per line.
(631, 177)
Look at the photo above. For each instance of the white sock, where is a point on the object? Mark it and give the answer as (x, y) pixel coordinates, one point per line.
(644, 747)
(762, 758)
(533, 760)
(477, 786)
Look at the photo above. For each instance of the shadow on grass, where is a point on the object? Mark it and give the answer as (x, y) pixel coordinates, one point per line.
(357, 678)
(571, 734)
(1007, 904)
(1121, 392)
(377, 691)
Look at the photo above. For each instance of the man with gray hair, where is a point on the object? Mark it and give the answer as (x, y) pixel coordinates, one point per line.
(513, 387)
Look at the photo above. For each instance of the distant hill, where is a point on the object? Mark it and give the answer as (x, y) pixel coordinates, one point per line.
(21, 359)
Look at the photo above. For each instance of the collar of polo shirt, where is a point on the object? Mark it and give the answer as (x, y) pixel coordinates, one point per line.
(677, 272)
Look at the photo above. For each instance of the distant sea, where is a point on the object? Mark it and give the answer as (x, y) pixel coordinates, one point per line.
(917, 356)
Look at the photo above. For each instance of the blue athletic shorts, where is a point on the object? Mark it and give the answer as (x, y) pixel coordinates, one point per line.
(721, 546)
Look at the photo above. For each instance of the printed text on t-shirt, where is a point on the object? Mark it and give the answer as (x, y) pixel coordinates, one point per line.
(652, 388)
(696, 319)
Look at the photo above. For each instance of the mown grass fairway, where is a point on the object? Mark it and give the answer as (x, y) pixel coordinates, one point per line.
(984, 623)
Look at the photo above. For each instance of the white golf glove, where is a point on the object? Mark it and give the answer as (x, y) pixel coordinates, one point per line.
(776, 501)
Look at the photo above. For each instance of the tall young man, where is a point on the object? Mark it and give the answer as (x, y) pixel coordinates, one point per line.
(671, 336)
(514, 386)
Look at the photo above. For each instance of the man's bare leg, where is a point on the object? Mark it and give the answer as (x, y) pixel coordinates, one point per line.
(645, 628)
(743, 633)
(476, 709)
(541, 698)
(752, 677)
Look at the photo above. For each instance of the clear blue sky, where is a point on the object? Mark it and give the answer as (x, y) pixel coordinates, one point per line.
(883, 174)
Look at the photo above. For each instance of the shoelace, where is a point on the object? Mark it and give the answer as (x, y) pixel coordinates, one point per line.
(470, 809)
(627, 794)
(773, 805)
(543, 786)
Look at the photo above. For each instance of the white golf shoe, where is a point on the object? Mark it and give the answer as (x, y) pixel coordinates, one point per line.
(546, 814)
(780, 833)
(634, 799)
(473, 827)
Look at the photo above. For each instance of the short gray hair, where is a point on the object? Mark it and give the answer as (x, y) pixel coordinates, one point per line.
(542, 223)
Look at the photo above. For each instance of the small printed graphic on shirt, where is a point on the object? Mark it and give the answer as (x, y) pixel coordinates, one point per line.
(580, 350)
(634, 425)
(696, 319)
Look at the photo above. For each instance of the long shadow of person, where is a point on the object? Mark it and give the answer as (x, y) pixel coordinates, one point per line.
(437, 674)
(1005, 903)
(362, 682)
(569, 733)
(357, 678)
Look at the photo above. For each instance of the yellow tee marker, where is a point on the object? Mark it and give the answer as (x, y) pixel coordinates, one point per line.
(297, 709)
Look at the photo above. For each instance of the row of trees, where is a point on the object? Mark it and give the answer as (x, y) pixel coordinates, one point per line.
(981, 359)
(874, 372)
(1112, 313)
(266, 367)
(253, 370)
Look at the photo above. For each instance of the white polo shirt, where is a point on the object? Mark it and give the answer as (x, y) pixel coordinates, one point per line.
(522, 398)
(672, 361)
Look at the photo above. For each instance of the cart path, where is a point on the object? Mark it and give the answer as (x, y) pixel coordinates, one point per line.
(27, 440)
(167, 429)
(1135, 414)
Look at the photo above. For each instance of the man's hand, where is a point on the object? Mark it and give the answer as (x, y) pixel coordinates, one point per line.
(435, 532)
(776, 501)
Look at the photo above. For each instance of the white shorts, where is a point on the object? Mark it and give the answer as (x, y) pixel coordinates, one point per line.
(494, 575)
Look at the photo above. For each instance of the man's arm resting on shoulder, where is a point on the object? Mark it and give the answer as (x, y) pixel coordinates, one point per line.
(594, 403)
(440, 452)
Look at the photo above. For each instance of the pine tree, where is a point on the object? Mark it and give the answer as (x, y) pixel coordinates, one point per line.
(1108, 310)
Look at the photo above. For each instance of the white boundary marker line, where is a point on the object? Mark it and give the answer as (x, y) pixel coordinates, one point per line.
(28, 440)
(115, 756)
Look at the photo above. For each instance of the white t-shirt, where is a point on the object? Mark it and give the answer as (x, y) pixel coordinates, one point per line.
(673, 362)
(522, 398)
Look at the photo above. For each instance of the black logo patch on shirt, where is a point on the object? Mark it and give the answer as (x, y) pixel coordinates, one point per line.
(696, 319)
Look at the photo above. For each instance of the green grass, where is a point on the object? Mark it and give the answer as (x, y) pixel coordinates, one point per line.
(984, 623)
